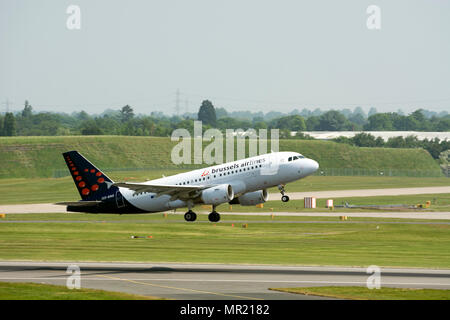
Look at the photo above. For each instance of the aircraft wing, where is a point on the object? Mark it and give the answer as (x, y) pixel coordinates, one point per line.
(78, 203)
(175, 191)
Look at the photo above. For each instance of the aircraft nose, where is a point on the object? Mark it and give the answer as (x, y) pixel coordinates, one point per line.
(311, 166)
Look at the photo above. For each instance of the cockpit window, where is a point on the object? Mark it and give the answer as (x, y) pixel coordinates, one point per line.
(296, 158)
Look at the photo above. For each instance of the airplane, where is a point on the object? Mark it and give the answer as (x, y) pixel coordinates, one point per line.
(243, 182)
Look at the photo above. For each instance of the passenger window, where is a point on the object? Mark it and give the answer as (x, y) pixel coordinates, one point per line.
(290, 159)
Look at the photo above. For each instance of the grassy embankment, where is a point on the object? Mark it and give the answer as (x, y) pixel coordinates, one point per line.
(39, 157)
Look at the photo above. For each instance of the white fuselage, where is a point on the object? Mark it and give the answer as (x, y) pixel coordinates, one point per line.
(246, 175)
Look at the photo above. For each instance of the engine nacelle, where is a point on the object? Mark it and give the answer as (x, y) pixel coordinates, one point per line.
(218, 194)
(251, 198)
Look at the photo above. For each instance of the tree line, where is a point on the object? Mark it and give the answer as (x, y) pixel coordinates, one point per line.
(434, 146)
(126, 122)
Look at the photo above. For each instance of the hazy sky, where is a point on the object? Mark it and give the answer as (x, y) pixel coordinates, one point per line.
(252, 55)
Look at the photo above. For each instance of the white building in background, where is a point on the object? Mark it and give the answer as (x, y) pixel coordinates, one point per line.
(385, 135)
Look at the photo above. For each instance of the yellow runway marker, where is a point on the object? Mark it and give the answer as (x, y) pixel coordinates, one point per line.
(182, 289)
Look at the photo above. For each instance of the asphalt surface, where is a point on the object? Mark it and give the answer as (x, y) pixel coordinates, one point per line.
(215, 281)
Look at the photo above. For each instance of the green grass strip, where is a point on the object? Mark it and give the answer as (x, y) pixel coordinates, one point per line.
(363, 293)
(36, 291)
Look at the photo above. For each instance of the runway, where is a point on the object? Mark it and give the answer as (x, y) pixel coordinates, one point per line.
(215, 281)
(52, 208)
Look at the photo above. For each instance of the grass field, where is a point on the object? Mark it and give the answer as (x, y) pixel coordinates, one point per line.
(363, 293)
(108, 238)
(39, 157)
(35, 291)
(46, 190)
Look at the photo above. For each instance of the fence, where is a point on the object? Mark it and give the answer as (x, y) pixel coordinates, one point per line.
(378, 172)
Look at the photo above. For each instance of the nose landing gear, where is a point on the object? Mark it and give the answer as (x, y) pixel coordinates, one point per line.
(284, 197)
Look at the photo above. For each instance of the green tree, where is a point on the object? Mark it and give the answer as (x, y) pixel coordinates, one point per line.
(396, 142)
(9, 124)
(333, 121)
(27, 111)
(379, 122)
(443, 125)
(365, 140)
(292, 123)
(126, 113)
(2, 119)
(90, 128)
(312, 123)
(207, 113)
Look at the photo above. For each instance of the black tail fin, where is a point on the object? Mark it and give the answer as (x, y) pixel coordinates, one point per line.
(92, 184)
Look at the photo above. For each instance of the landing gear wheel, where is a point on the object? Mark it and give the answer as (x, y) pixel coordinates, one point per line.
(214, 217)
(285, 198)
(190, 216)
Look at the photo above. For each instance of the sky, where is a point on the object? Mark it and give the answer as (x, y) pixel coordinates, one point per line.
(254, 55)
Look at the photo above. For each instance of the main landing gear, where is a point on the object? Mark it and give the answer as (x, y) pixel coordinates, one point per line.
(214, 216)
(190, 216)
(284, 197)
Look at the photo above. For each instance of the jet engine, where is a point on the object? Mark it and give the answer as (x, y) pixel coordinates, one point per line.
(218, 194)
(251, 198)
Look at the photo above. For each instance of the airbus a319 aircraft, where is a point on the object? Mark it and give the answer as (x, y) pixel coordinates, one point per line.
(243, 182)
